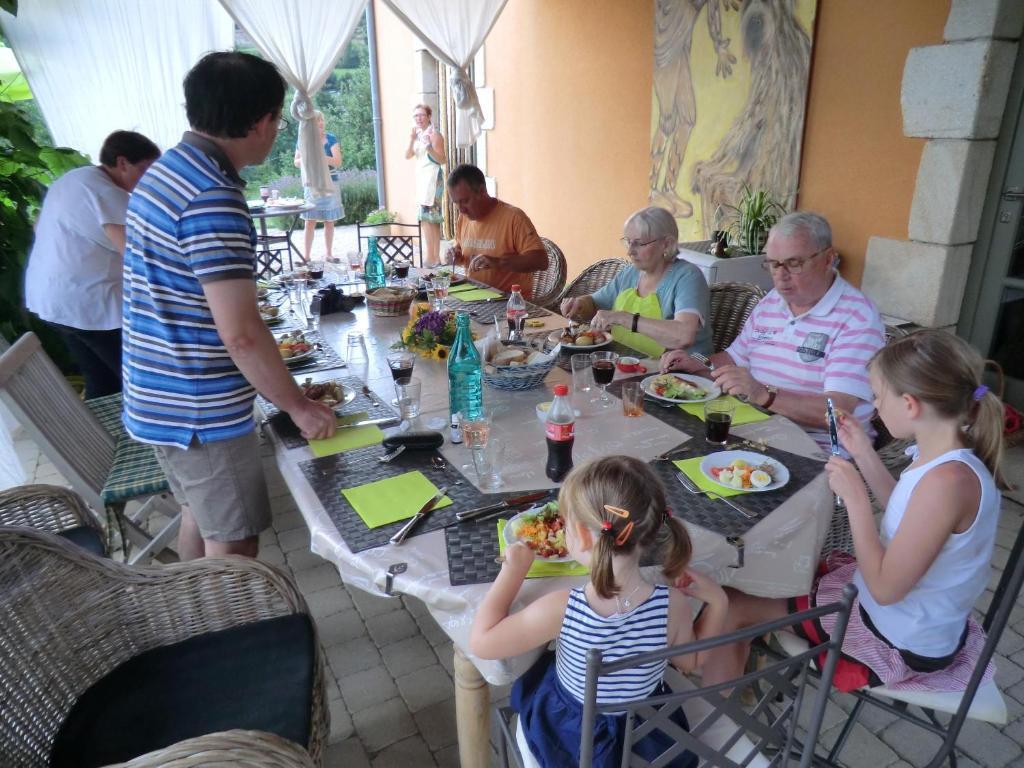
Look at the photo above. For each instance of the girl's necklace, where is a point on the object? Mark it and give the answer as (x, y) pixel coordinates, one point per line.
(623, 604)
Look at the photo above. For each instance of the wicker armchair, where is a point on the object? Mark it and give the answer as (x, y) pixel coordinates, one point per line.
(69, 618)
(549, 283)
(731, 305)
(596, 276)
(48, 508)
(249, 748)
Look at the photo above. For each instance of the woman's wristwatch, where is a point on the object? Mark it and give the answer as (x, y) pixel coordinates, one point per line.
(636, 320)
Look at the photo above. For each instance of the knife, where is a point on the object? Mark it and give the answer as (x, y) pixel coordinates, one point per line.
(526, 498)
(425, 510)
(368, 422)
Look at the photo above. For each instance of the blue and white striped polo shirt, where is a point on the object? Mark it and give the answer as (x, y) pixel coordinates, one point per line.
(643, 629)
(188, 224)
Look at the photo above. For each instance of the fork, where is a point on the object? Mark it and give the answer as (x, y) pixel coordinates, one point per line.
(691, 486)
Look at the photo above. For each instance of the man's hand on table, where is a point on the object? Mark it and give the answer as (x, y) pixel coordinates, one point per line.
(678, 360)
(739, 382)
(482, 262)
(315, 420)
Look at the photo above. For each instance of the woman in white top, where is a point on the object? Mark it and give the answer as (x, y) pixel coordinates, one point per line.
(920, 576)
(427, 146)
(73, 278)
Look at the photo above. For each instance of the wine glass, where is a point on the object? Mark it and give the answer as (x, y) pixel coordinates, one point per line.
(603, 366)
(440, 284)
(264, 194)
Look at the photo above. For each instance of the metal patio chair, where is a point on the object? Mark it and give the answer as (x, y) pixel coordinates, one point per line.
(107, 469)
(86, 637)
(54, 509)
(596, 276)
(731, 305)
(723, 730)
(390, 244)
(548, 284)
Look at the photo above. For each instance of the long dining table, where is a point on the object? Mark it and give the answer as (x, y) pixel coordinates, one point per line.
(777, 558)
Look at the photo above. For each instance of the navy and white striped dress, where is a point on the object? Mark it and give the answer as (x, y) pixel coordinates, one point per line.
(549, 697)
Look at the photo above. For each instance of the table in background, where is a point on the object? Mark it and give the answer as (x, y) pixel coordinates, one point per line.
(269, 261)
(781, 550)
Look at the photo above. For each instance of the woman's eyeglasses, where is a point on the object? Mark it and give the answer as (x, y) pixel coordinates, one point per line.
(632, 245)
(794, 265)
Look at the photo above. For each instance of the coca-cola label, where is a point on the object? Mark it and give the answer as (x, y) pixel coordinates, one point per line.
(560, 432)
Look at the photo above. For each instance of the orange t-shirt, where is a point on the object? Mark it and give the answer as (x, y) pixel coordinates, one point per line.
(506, 229)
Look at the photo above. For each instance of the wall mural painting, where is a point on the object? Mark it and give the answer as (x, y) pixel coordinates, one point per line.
(730, 87)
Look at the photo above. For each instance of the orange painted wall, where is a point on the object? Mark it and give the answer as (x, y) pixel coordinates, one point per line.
(858, 169)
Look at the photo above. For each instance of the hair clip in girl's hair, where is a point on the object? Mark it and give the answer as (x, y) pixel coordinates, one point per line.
(617, 511)
(979, 392)
(666, 515)
(623, 536)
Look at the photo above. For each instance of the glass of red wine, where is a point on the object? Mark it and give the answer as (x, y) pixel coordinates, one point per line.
(401, 365)
(603, 365)
(264, 194)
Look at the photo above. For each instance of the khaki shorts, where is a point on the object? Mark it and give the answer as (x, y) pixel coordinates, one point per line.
(222, 483)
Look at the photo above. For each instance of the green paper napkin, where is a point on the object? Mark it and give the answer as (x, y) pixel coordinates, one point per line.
(392, 499)
(542, 568)
(745, 413)
(461, 287)
(691, 468)
(348, 439)
(478, 294)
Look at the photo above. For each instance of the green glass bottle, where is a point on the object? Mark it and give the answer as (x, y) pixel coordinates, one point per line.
(374, 267)
(465, 375)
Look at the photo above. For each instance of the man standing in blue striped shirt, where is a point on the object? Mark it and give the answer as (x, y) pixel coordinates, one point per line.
(195, 349)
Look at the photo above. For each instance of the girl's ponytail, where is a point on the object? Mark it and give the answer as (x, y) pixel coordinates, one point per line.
(601, 574)
(985, 432)
(678, 549)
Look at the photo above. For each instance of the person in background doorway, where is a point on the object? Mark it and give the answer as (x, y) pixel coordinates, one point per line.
(427, 146)
(328, 207)
(73, 279)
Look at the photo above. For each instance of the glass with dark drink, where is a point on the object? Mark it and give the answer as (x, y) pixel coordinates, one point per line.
(401, 365)
(717, 419)
(401, 269)
(603, 366)
(316, 269)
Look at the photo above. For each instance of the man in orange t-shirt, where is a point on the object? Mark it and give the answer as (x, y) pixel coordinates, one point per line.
(497, 241)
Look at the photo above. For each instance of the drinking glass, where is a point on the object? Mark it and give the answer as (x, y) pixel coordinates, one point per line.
(408, 398)
(475, 434)
(718, 418)
(440, 284)
(401, 365)
(582, 382)
(355, 261)
(355, 345)
(275, 195)
(313, 313)
(264, 194)
(316, 270)
(401, 271)
(603, 365)
(632, 399)
(488, 461)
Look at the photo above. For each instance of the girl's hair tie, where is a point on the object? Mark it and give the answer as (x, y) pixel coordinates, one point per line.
(627, 529)
(979, 392)
(606, 527)
(666, 515)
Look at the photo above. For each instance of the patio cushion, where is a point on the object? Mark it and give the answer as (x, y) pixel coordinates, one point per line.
(135, 472)
(257, 676)
(86, 537)
(107, 410)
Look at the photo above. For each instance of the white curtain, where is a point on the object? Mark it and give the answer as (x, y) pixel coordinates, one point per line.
(96, 66)
(454, 30)
(304, 39)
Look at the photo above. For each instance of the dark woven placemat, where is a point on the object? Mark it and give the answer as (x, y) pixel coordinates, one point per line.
(472, 549)
(371, 405)
(330, 474)
(485, 311)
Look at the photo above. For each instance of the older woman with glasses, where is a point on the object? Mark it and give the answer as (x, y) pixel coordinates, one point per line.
(658, 302)
(810, 338)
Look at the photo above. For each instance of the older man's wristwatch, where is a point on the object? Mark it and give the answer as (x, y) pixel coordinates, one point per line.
(772, 392)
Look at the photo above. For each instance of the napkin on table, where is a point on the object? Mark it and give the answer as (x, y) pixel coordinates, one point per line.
(392, 499)
(745, 413)
(348, 439)
(691, 468)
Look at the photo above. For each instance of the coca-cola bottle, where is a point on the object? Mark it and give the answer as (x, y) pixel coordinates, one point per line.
(561, 433)
(515, 313)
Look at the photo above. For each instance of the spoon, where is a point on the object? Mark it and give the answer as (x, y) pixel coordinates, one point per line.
(440, 463)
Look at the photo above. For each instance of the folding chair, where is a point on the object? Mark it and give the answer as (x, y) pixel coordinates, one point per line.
(723, 730)
(107, 469)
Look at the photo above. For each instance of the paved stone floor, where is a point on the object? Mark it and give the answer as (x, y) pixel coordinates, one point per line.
(390, 665)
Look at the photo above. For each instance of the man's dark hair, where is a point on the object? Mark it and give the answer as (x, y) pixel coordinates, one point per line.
(227, 92)
(132, 146)
(470, 174)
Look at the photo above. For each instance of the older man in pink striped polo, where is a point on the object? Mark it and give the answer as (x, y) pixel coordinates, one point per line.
(810, 338)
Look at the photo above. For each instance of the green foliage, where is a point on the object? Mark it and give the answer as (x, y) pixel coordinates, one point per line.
(27, 167)
(751, 218)
(11, 6)
(358, 195)
(381, 216)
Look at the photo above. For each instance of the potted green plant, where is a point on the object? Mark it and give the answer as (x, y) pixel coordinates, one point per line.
(750, 219)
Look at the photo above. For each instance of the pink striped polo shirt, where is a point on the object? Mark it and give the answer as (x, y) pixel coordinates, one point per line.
(826, 349)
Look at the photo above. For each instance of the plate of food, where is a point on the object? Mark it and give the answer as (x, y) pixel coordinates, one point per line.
(542, 530)
(330, 393)
(294, 348)
(680, 388)
(456, 278)
(286, 202)
(270, 314)
(744, 471)
(580, 337)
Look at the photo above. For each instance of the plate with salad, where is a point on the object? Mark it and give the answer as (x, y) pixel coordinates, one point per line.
(680, 388)
(744, 471)
(542, 530)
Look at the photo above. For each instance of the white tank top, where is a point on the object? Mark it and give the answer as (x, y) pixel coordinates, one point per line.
(930, 619)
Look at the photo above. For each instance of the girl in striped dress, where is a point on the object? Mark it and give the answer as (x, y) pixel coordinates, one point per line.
(614, 510)
(921, 574)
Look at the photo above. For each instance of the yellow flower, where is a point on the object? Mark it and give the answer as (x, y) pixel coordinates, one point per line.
(441, 352)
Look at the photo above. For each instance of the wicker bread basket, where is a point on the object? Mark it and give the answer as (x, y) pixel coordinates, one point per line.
(390, 302)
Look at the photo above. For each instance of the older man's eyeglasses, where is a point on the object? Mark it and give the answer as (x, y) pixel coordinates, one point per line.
(283, 123)
(794, 265)
(635, 245)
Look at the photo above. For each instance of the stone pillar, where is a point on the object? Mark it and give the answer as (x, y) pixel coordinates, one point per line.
(425, 79)
(954, 95)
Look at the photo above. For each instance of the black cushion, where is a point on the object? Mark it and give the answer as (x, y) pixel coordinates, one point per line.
(257, 676)
(87, 537)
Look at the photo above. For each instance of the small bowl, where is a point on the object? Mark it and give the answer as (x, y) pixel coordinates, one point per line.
(542, 411)
(630, 365)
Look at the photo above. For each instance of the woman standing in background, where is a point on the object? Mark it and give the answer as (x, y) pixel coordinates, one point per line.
(427, 146)
(328, 207)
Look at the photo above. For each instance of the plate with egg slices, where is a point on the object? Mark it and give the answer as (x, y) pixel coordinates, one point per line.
(744, 471)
